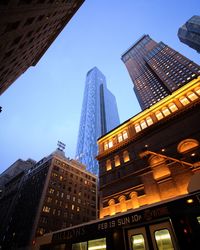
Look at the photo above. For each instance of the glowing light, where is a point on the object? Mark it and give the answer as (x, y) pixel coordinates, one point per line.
(97, 247)
(190, 201)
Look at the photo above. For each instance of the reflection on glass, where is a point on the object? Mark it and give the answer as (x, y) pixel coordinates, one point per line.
(79, 246)
(138, 242)
(99, 244)
(163, 240)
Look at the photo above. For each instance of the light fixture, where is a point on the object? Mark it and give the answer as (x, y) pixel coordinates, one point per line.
(189, 201)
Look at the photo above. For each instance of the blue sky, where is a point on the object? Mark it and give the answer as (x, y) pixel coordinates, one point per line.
(44, 104)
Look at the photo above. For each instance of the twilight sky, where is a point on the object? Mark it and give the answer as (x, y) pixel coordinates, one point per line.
(44, 104)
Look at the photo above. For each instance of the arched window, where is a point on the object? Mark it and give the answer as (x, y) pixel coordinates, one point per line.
(184, 100)
(159, 115)
(120, 138)
(117, 161)
(187, 145)
(165, 111)
(126, 156)
(137, 128)
(192, 96)
(108, 165)
(149, 120)
(172, 106)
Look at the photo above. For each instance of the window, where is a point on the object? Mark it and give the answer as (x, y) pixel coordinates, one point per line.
(165, 111)
(192, 96)
(97, 244)
(120, 138)
(51, 190)
(137, 128)
(126, 156)
(117, 161)
(184, 100)
(108, 165)
(172, 107)
(159, 115)
(105, 146)
(110, 143)
(46, 209)
(143, 124)
(197, 90)
(163, 239)
(125, 134)
(137, 242)
(79, 246)
(149, 120)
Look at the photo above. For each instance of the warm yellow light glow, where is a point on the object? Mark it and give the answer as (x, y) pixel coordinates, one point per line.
(97, 247)
(190, 201)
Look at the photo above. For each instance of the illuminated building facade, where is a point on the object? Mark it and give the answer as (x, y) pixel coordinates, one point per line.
(28, 28)
(56, 193)
(189, 33)
(152, 156)
(157, 70)
(98, 116)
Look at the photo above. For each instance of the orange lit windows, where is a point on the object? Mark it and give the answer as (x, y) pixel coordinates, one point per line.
(46, 209)
(108, 165)
(166, 111)
(143, 124)
(110, 143)
(184, 100)
(172, 107)
(197, 90)
(192, 96)
(117, 161)
(125, 134)
(137, 128)
(105, 146)
(120, 138)
(159, 115)
(126, 156)
(149, 121)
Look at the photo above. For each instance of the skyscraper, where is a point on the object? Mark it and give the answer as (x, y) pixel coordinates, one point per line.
(157, 70)
(98, 116)
(189, 33)
(27, 30)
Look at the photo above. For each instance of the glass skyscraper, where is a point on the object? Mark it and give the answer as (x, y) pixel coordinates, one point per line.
(157, 70)
(99, 115)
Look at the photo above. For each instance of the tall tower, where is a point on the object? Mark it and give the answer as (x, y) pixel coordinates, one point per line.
(98, 116)
(157, 70)
(189, 33)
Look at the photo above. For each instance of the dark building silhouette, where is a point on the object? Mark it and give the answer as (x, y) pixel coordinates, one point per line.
(189, 33)
(157, 70)
(56, 193)
(158, 158)
(28, 28)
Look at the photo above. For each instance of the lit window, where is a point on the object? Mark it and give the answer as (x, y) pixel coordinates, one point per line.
(51, 190)
(120, 138)
(72, 206)
(97, 244)
(138, 241)
(172, 107)
(137, 128)
(159, 115)
(197, 90)
(117, 161)
(163, 239)
(126, 156)
(184, 100)
(192, 96)
(110, 143)
(46, 209)
(143, 124)
(105, 146)
(108, 165)
(125, 135)
(149, 121)
(165, 111)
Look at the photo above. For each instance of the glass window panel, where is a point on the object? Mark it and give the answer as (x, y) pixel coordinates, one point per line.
(149, 120)
(125, 135)
(126, 156)
(192, 96)
(79, 246)
(163, 240)
(172, 107)
(159, 115)
(137, 128)
(117, 161)
(99, 244)
(143, 124)
(184, 100)
(108, 165)
(197, 90)
(137, 242)
(166, 111)
(105, 146)
(120, 138)
(110, 144)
